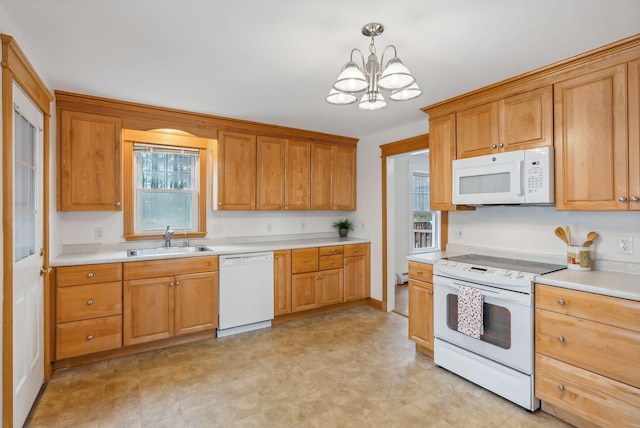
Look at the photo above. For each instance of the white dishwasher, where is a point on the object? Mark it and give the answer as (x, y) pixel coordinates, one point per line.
(245, 300)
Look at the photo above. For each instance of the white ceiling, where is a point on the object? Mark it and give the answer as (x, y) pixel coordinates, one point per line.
(274, 61)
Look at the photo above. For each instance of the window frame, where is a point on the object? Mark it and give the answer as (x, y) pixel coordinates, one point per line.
(161, 138)
(435, 215)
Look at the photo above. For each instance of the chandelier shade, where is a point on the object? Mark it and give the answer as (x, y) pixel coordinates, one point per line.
(373, 77)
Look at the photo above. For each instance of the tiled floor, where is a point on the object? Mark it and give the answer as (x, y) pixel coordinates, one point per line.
(349, 368)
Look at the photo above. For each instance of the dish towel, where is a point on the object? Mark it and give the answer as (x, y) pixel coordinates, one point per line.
(470, 314)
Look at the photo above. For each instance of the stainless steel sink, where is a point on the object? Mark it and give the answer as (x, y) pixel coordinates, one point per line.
(166, 250)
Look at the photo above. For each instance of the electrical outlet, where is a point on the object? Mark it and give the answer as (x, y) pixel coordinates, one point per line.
(458, 233)
(99, 233)
(269, 227)
(303, 226)
(364, 225)
(625, 244)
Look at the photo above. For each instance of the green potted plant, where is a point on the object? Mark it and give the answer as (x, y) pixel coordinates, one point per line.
(343, 226)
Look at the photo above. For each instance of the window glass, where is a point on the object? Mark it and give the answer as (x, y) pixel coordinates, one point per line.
(166, 188)
(424, 221)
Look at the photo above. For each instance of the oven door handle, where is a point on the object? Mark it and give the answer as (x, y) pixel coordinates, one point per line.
(451, 285)
(482, 289)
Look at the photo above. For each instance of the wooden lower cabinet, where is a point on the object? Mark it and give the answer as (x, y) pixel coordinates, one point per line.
(421, 306)
(304, 291)
(356, 272)
(281, 282)
(330, 287)
(169, 305)
(587, 353)
(88, 309)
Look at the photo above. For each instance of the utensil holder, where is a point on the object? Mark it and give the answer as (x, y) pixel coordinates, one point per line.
(579, 258)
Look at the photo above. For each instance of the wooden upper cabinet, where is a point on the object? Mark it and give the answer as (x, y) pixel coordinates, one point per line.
(634, 135)
(521, 121)
(297, 191)
(592, 162)
(442, 152)
(270, 172)
(477, 130)
(284, 175)
(526, 120)
(89, 167)
(236, 171)
(333, 177)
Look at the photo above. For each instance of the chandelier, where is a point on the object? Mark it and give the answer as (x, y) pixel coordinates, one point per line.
(373, 76)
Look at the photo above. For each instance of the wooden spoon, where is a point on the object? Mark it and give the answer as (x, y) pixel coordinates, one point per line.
(568, 233)
(591, 236)
(560, 233)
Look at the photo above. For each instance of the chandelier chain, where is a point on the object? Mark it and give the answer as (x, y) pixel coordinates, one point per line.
(372, 47)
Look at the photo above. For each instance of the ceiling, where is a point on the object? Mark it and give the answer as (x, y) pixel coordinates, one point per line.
(274, 61)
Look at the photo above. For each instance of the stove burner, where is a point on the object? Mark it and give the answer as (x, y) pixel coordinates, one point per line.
(478, 260)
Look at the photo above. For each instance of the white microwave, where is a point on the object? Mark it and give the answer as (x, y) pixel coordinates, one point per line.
(517, 177)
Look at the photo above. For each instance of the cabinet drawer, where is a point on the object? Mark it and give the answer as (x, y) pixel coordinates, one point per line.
(330, 251)
(170, 267)
(355, 250)
(609, 351)
(88, 274)
(331, 262)
(595, 398)
(88, 301)
(85, 337)
(304, 260)
(421, 271)
(603, 309)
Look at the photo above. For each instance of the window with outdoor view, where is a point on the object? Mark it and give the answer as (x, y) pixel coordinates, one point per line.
(425, 224)
(164, 176)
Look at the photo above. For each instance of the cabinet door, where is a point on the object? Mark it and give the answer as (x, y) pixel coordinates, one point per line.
(590, 125)
(282, 282)
(344, 178)
(355, 278)
(321, 176)
(330, 287)
(634, 135)
(297, 175)
(148, 310)
(304, 291)
(236, 171)
(421, 313)
(89, 173)
(526, 120)
(477, 130)
(271, 177)
(442, 152)
(196, 302)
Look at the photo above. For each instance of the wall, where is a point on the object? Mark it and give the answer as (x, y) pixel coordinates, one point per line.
(530, 229)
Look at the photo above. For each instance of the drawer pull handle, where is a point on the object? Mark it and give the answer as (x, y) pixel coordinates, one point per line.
(306, 260)
(419, 272)
(333, 251)
(90, 302)
(332, 262)
(276, 257)
(560, 302)
(89, 337)
(429, 291)
(560, 339)
(355, 250)
(90, 274)
(561, 387)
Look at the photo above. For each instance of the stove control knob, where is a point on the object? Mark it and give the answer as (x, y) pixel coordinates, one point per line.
(507, 273)
(519, 275)
(454, 264)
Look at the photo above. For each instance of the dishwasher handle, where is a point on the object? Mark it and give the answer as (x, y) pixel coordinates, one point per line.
(246, 259)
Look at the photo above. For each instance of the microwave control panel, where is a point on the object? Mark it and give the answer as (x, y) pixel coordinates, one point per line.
(538, 175)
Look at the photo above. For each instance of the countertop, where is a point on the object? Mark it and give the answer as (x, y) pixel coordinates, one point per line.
(120, 255)
(606, 283)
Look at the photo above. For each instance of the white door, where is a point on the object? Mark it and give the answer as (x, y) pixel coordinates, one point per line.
(28, 284)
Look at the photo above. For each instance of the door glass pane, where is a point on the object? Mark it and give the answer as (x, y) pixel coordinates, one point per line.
(497, 322)
(24, 240)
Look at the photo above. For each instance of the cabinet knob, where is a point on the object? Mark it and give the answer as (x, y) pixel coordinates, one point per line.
(429, 291)
(90, 275)
(622, 199)
(276, 257)
(418, 272)
(333, 251)
(332, 262)
(355, 250)
(90, 302)
(306, 260)
(219, 204)
(118, 204)
(634, 199)
(501, 145)
(346, 263)
(90, 337)
(171, 284)
(177, 283)
(560, 339)
(493, 146)
(560, 302)
(561, 387)
(321, 277)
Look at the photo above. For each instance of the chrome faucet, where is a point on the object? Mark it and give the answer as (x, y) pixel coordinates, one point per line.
(167, 237)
